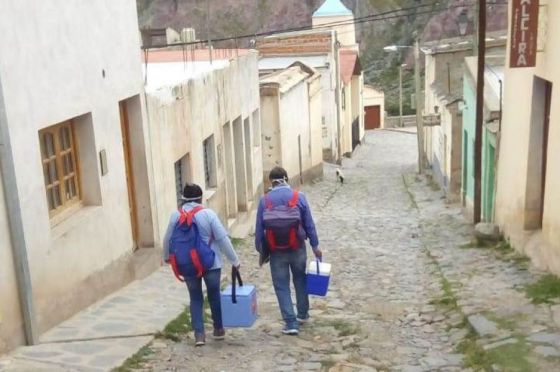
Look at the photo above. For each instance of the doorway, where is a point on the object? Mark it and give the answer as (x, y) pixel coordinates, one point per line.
(125, 131)
(465, 166)
(248, 158)
(489, 180)
(537, 154)
(230, 172)
(372, 117)
(240, 167)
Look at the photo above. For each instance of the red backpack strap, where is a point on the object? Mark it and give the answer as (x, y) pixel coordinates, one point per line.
(173, 263)
(193, 212)
(187, 216)
(197, 264)
(183, 216)
(294, 200)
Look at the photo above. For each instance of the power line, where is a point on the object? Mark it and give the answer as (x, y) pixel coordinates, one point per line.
(369, 18)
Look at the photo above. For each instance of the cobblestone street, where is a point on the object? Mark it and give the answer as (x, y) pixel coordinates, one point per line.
(410, 291)
(377, 314)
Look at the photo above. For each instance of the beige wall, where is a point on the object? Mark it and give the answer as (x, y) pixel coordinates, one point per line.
(353, 110)
(181, 117)
(513, 212)
(443, 148)
(346, 33)
(67, 72)
(315, 113)
(286, 118)
(272, 151)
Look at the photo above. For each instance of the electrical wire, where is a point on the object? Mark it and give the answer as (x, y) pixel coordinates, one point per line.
(392, 14)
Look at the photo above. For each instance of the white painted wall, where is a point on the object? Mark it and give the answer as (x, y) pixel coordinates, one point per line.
(54, 72)
(11, 322)
(182, 116)
(294, 114)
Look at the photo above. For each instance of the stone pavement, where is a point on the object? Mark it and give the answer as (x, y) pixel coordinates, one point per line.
(377, 314)
(104, 335)
(489, 287)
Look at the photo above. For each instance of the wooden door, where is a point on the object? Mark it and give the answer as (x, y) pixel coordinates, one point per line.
(546, 126)
(373, 117)
(125, 130)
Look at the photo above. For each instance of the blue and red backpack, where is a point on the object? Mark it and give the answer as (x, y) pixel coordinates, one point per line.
(189, 255)
(282, 224)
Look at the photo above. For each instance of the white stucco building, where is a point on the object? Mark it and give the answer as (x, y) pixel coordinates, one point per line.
(528, 179)
(444, 98)
(316, 49)
(76, 201)
(291, 116)
(333, 51)
(204, 120)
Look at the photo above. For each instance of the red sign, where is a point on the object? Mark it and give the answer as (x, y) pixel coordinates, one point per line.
(524, 28)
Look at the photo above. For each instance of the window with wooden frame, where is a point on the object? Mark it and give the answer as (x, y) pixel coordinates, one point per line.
(60, 169)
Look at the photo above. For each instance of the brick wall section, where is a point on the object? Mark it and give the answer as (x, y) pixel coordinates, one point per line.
(297, 44)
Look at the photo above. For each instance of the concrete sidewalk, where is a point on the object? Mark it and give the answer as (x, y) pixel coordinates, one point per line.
(107, 333)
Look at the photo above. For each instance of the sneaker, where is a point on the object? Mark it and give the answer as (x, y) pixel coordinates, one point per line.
(302, 320)
(219, 334)
(290, 331)
(199, 339)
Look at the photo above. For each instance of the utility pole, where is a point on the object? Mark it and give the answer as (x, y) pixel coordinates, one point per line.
(208, 29)
(419, 123)
(476, 29)
(479, 111)
(400, 96)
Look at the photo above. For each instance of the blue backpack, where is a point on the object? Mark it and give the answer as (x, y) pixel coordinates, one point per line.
(189, 255)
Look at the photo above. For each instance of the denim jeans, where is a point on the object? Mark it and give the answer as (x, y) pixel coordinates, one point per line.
(281, 263)
(212, 281)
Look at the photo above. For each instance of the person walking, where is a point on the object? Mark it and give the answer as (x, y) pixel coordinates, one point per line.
(214, 235)
(284, 222)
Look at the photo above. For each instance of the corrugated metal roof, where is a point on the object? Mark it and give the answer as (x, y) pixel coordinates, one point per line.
(332, 8)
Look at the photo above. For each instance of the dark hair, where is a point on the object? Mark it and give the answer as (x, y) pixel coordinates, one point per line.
(278, 173)
(192, 193)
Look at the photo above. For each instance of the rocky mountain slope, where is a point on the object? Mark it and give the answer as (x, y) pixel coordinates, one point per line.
(244, 17)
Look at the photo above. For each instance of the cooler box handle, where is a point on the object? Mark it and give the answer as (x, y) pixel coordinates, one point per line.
(235, 277)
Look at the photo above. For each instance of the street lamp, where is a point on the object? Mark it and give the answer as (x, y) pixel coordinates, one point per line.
(463, 22)
(419, 123)
(394, 48)
(400, 94)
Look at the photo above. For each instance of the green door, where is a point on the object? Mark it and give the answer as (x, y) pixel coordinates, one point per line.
(488, 212)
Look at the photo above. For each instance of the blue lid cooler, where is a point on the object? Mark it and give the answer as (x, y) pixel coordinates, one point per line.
(239, 303)
(318, 277)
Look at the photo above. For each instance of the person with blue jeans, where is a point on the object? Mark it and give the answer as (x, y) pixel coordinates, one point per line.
(284, 261)
(213, 232)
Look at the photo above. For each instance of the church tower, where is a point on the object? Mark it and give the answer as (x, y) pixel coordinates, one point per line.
(334, 11)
